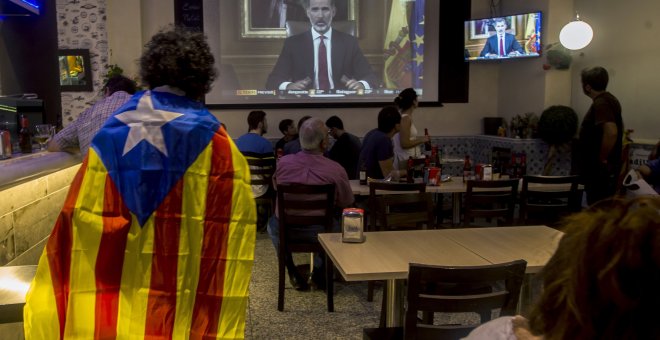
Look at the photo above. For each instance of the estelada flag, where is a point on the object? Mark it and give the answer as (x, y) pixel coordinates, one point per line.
(156, 236)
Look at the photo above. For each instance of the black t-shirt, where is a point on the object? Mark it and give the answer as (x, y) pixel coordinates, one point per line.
(346, 152)
(605, 108)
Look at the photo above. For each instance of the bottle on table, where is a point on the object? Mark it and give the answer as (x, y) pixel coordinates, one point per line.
(363, 174)
(434, 156)
(523, 164)
(514, 165)
(467, 168)
(24, 136)
(427, 145)
(410, 170)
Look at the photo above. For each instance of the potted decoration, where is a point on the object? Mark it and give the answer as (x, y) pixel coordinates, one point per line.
(557, 127)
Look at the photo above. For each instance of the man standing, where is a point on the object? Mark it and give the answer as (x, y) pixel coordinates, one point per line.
(156, 237)
(253, 145)
(78, 135)
(501, 44)
(346, 149)
(377, 154)
(321, 58)
(309, 166)
(600, 137)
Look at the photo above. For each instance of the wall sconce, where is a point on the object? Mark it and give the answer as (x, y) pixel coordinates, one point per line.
(576, 34)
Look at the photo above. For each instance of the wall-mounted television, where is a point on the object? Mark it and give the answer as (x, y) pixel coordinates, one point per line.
(399, 41)
(75, 70)
(507, 37)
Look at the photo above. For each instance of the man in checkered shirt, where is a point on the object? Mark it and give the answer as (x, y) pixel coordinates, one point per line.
(78, 135)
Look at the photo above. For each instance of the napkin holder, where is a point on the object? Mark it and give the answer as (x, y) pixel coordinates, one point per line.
(352, 225)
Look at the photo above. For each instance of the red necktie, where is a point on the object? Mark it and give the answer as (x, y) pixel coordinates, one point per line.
(501, 46)
(324, 82)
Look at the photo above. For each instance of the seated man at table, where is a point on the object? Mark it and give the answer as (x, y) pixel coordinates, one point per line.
(377, 152)
(309, 166)
(346, 149)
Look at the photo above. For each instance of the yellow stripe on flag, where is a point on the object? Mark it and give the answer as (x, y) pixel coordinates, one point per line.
(240, 252)
(135, 279)
(190, 240)
(47, 325)
(87, 224)
(396, 23)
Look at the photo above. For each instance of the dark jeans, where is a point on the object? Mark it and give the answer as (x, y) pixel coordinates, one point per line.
(309, 234)
(600, 184)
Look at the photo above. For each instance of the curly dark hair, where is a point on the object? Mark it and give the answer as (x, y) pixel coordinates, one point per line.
(602, 282)
(180, 58)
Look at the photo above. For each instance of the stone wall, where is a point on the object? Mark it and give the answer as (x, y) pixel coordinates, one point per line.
(27, 215)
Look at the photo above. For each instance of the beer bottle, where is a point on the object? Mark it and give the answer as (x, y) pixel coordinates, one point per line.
(410, 171)
(427, 145)
(467, 168)
(24, 136)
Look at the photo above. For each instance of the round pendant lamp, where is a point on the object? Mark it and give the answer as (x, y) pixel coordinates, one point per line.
(576, 34)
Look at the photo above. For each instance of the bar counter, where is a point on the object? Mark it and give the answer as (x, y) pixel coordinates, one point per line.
(32, 190)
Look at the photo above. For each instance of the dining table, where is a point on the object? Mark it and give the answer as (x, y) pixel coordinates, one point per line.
(456, 187)
(386, 255)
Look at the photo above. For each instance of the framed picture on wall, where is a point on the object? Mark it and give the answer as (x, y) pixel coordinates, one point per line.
(75, 70)
(267, 18)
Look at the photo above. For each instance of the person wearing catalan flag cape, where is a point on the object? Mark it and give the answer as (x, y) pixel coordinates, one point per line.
(156, 235)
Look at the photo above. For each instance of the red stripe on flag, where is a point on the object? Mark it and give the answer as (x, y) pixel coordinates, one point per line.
(110, 260)
(161, 303)
(208, 300)
(59, 245)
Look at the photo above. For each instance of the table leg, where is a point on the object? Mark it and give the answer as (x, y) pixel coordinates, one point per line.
(394, 303)
(456, 207)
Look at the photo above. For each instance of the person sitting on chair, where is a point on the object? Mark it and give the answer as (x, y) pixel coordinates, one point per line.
(310, 167)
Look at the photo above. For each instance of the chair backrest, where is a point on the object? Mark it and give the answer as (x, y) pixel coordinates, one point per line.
(495, 199)
(399, 206)
(261, 170)
(548, 204)
(439, 289)
(301, 206)
(297, 27)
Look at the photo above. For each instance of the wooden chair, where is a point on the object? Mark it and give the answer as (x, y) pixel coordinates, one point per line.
(296, 202)
(297, 27)
(391, 209)
(548, 205)
(261, 173)
(440, 289)
(496, 199)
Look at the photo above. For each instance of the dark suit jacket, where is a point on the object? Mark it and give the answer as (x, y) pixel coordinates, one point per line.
(296, 61)
(510, 44)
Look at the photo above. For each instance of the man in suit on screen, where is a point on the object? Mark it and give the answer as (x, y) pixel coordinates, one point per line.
(501, 44)
(321, 58)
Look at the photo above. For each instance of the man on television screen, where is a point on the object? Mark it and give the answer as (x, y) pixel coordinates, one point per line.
(321, 58)
(501, 44)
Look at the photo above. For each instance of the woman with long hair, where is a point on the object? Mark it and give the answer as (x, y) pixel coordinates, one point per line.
(406, 141)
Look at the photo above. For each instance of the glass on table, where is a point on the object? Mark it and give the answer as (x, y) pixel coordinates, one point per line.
(43, 133)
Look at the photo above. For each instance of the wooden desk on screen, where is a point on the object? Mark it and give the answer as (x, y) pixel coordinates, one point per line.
(386, 255)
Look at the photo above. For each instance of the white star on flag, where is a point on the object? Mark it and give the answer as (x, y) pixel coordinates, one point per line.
(145, 123)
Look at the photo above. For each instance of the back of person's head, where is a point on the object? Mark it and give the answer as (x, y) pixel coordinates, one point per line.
(254, 118)
(334, 122)
(312, 132)
(388, 118)
(120, 83)
(284, 125)
(596, 77)
(179, 58)
(406, 99)
(655, 153)
(603, 281)
(301, 121)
